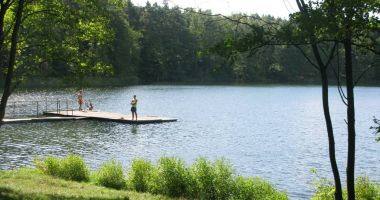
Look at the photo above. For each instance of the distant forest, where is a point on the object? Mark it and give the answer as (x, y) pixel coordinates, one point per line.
(159, 44)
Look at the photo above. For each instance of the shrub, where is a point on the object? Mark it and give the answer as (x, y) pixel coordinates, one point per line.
(170, 177)
(364, 189)
(49, 166)
(203, 174)
(139, 175)
(110, 175)
(72, 167)
(223, 180)
(255, 188)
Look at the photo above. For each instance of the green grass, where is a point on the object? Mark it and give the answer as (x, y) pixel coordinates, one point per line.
(30, 184)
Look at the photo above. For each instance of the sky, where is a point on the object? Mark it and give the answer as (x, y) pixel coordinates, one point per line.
(277, 8)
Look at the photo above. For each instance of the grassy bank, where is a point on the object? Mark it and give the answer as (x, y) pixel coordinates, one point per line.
(69, 178)
(31, 184)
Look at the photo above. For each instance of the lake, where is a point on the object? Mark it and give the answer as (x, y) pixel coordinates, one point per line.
(275, 132)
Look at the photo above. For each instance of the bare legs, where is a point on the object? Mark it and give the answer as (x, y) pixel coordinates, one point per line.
(134, 113)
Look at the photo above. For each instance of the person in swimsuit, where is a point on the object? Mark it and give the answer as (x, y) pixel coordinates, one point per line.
(80, 99)
(134, 107)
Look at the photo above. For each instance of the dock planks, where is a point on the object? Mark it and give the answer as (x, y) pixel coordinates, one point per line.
(40, 119)
(114, 117)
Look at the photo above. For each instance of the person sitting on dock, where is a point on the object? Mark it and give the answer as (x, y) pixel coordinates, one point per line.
(134, 107)
(90, 106)
(80, 99)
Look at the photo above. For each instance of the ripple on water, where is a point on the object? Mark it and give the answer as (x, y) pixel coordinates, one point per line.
(276, 132)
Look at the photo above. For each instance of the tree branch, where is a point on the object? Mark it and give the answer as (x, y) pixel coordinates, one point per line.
(307, 58)
(362, 74)
(367, 48)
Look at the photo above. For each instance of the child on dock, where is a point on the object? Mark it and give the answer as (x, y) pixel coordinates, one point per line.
(90, 106)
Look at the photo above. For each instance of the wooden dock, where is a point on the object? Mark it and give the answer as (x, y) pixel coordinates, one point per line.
(108, 116)
(39, 119)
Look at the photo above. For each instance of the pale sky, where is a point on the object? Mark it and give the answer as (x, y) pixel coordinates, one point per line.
(277, 8)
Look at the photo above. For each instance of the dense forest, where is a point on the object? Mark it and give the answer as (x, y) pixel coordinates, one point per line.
(160, 44)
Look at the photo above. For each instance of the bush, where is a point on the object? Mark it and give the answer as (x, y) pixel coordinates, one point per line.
(203, 174)
(224, 179)
(255, 188)
(49, 166)
(72, 167)
(110, 175)
(203, 180)
(170, 177)
(364, 190)
(139, 175)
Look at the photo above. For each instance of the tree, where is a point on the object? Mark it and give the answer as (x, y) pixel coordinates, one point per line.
(318, 24)
(350, 23)
(75, 32)
(12, 57)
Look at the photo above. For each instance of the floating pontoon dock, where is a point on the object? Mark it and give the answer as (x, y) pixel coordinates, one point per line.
(39, 119)
(114, 117)
(61, 110)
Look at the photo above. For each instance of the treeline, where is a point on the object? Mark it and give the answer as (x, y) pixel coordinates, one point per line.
(154, 44)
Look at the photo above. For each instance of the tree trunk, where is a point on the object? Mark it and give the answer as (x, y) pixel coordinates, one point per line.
(330, 132)
(12, 59)
(350, 121)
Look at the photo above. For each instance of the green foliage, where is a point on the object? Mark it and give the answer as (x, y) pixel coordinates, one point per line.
(376, 128)
(29, 184)
(169, 177)
(364, 190)
(203, 173)
(50, 166)
(139, 175)
(212, 180)
(72, 167)
(110, 175)
(83, 39)
(255, 188)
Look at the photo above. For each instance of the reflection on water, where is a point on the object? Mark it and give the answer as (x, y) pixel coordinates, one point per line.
(275, 132)
(134, 128)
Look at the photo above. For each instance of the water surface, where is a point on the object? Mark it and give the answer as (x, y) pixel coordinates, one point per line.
(276, 132)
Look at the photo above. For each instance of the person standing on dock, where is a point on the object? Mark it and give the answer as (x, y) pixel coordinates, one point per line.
(80, 99)
(134, 107)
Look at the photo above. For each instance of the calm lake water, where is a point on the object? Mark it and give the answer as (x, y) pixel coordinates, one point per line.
(275, 132)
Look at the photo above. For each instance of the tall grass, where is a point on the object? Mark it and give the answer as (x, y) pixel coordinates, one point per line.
(110, 175)
(203, 175)
(247, 188)
(364, 189)
(170, 176)
(139, 175)
(72, 167)
(202, 180)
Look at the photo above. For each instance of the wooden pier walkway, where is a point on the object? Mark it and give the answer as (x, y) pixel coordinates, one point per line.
(39, 119)
(108, 116)
(61, 110)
